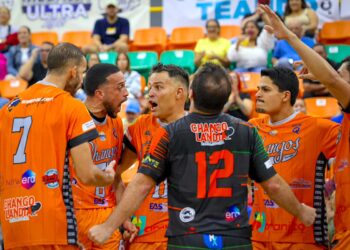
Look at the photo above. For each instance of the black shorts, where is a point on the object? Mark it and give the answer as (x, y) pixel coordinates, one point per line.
(208, 241)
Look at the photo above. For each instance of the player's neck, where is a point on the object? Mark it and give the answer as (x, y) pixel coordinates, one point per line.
(94, 108)
(56, 80)
(174, 117)
(283, 114)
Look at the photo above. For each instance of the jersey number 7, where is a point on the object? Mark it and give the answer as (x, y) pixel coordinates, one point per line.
(18, 124)
(226, 172)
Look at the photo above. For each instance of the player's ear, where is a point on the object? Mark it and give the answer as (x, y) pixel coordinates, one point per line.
(180, 92)
(286, 96)
(73, 72)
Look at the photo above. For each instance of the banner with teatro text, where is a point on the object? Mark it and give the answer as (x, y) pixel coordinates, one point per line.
(67, 15)
(177, 13)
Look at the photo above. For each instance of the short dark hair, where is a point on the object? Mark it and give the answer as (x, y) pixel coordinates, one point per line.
(48, 43)
(173, 72)
(62, 55)
(212, 20)
(96, 76)
(211, 87)
(285, 79)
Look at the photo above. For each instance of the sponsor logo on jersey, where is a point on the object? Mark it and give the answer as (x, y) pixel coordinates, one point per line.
(74, 181)
(50, 178)
(148, 161)
(213, 241)
(88, 125)
(296, 128)
(270, 204)
(104, 154)
(283, 151)
(13, 104)
(300, 184)
(343, 164)
(140, 223)
(100, 201)
(102, 136)
(232, 214)
(211, 134)
(28, 179)
(158, 207)
(259, 222)
(21, 208)
(187, 214)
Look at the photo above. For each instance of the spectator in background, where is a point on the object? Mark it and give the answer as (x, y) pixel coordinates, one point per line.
(110, 33)
(251, 49)
(314, 88)
(93, 59)
(258, 16)
(133, 110)
(35, 68)
(132, 78)
(213, 48)
(8, 32)
(299, 105)
(239, 104)
(19, 54)
(299, 11)
(284, 55)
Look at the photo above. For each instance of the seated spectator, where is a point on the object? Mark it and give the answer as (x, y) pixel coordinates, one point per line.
(35, 68)
(314, 88)
(19, 54)
(251, 49)
(133, 110)
(8, 36)
(110, 33)
(299, 106)
(93, 59)
(213, 48)
(239, 104)
(132, 78)
(297, 10)
(284, 55)
(257, 16)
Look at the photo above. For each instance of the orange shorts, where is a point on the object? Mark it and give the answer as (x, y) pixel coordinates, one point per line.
(342, 241)
(47, 247)
(286, 246)
(86, 218)
(148, 246)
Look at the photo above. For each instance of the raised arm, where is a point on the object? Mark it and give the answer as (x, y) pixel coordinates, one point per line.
(322, 70)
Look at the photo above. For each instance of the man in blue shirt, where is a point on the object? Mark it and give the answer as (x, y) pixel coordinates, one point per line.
(284, 55)
(110, 33)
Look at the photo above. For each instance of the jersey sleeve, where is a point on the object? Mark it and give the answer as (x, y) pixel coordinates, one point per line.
(154, 163)
(329, 132)
(261, 168)
(130, 137)
(81, 126)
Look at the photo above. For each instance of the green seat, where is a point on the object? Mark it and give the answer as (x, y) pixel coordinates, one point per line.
(338, 52)
(108, 57)
(269, 59)
(143, 61)
(181, 58)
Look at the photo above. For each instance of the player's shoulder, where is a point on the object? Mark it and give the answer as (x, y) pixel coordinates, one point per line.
(143, 120)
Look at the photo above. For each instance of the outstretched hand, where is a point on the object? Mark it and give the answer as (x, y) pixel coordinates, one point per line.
(276, 26)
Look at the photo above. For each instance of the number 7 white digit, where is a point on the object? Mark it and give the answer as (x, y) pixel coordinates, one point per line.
(18, 124)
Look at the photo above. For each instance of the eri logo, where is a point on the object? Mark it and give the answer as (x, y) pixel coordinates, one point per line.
(259, 221)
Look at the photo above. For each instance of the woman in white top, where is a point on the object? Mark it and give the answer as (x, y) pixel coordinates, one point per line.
(132, 78)
(251, 49)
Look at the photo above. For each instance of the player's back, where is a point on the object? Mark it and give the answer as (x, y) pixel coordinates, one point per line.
(36, 131)
(299, 149)
(152, 216)
(210, 159)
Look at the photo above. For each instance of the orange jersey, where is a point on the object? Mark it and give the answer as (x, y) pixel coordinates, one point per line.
(298, 149)
(152, 216)
(342, 180)
(104, 149)
(37, 130)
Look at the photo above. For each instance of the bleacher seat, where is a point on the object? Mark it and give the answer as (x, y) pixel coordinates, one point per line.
(338, 52)
(46, 36)
(151, 39)
(10, 88)
(108, 57)
(185, 37)
(324, 107)
(143, 61)
(181, 58)
(336, 32)
(230, 31)
(78, 38)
